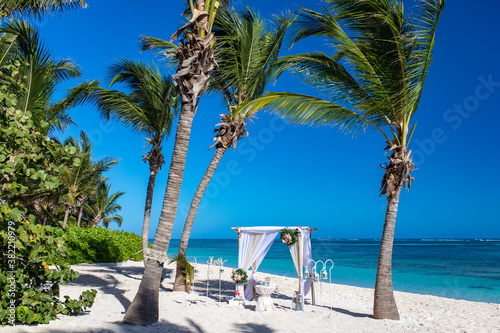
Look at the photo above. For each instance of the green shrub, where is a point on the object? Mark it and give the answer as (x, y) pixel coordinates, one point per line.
(30, 166)
(29, 290)
(94, 245)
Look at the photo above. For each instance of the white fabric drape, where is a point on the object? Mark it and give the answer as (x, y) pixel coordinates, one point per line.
(305, 242)
(255, 242)
(253, 248)
(307, 258)
(294, 251)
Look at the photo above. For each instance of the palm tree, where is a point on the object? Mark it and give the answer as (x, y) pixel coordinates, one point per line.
(149, 108)
(39, 77)
(102, 207)
(374, 79)
(196, 61)
(80, 181)
(38, 8)
(247, 50)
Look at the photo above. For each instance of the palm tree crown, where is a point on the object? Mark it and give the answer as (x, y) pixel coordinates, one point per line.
(149, 108)
(376, 75)
(40, 75)
(246, 51)
(374, 79)
(38, 8)
(103, 207)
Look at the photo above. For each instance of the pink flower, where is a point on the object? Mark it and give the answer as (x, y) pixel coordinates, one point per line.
(287, 239)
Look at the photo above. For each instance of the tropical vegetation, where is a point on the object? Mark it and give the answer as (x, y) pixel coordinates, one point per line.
(54, 194)
(374, 79)
(149, 108)
(186, 271)
(195, 58)
(37, 8)
(31, 168)
(98, 245)
(85, 187)
(42, 179)
(247, 49)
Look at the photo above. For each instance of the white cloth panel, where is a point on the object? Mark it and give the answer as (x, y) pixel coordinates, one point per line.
(294, 251)
(253, 250)
(255, 242)
(261, 247)
(307, 258)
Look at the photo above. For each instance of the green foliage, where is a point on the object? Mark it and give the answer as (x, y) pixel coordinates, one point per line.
(93, 245)
(38, 8)
(40, 174)
(31, 165)
(239, 276)
(247, 49)
(29, 290)
(288, 236)
(31, 162)
(187, 270)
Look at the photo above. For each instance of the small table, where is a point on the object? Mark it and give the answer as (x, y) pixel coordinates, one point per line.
(264, 302)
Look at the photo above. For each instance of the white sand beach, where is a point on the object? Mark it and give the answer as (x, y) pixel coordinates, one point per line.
(195, 312)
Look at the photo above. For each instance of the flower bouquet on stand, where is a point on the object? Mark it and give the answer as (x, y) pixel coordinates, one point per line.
(240, 277)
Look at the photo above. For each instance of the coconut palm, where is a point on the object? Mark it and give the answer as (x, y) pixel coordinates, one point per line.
(247, 50)
(149, 108)
(374, 79)
(195, 56)
(102, 207)
(38, 8)
(80, 181)
(40, 76)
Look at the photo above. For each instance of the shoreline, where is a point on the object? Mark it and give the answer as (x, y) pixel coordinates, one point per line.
(467, 270)
(351, 306)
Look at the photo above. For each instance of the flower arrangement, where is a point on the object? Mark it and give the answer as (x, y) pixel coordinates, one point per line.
(239, 276)
(288, 236)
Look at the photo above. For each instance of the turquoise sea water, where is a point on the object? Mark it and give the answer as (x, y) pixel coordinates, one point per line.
(459, 269)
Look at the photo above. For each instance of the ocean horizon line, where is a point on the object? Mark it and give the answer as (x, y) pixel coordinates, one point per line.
(443, 239)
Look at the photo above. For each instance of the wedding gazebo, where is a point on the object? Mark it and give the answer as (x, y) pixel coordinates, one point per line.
(255, 242)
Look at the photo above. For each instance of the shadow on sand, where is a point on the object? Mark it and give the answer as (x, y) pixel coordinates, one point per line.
(165, 326)
(109, 284)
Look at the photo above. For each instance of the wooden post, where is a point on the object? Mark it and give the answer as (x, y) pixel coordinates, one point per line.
(239, 240)
(313, 295)
(301, 253)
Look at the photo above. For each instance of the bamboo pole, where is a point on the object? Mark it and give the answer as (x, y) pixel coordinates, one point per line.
(301, 253)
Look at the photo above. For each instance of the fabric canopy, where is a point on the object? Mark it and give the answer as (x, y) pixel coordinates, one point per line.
(255, 242)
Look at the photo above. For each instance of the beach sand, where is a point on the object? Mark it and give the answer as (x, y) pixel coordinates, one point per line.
(181, 312)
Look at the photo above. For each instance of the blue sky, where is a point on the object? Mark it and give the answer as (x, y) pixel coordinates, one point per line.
(298, 175)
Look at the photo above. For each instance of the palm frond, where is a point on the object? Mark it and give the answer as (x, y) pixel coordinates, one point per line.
(40, 75)
(38, 9)
(187, 269)
(354, 52)
(160, 47)
(303, 109)
(247, 50)
(422, 55)
(149, 108)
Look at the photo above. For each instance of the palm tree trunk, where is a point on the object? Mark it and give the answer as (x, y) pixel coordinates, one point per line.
(144, 307)
(65, 222)
(80, 214)
(191, 80)
(384, 306)
(180, 283)
(147, 212)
